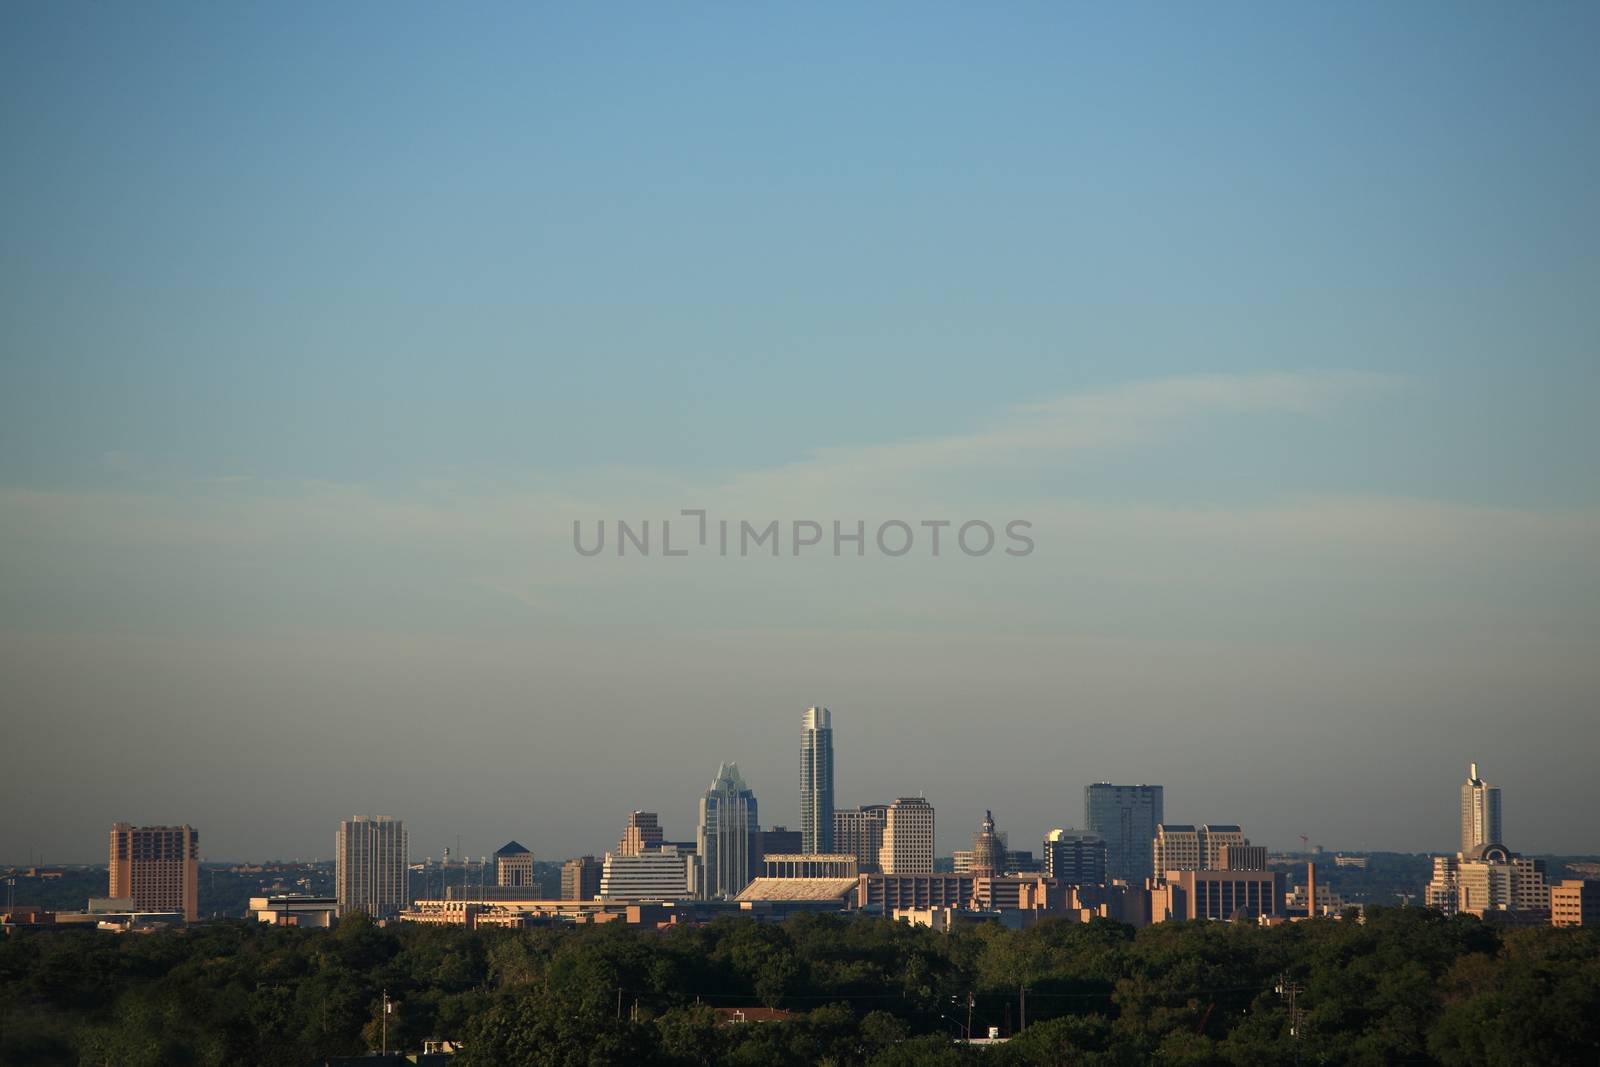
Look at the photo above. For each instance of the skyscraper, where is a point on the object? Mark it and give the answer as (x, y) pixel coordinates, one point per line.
(907, 837)
(641, 834)
(371, 873)
(859, 831)
(158, 867)
(1125, 817)
(728, 821)
(1480, 813)
(816, 781)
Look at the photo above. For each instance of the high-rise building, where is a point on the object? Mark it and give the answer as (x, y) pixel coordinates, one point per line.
(1480, 813)
(372, 870)
(158, 867)
(658, 874)
(816, 781)
(1193, 848)
(1075, 858)
(860, 831)
(580, 878)
(641, 834)
(513, 866)
(1125, 817)
(907, 837)
(728, 823)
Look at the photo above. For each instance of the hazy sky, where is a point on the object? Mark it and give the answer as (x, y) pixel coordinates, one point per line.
(321, 324)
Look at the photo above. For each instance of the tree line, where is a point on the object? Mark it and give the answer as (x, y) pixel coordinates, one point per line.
(1406, 986)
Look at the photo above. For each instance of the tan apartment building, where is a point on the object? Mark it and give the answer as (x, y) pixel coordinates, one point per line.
(1575, 902)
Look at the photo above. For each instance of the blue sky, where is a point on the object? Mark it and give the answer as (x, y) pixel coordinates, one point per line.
(320, 325)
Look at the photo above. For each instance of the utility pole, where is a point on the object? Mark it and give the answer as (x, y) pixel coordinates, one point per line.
(1022, 1008)
(385, 1048)
(969, 1015)
(1290, 990)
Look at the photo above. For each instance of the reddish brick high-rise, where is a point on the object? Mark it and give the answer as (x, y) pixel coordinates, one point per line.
(158, 867)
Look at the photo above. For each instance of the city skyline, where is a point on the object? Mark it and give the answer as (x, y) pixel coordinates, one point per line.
(1479, 801)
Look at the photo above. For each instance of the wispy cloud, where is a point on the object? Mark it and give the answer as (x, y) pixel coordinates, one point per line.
(1051, 429)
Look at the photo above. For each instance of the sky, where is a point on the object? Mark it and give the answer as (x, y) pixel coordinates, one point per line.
(321, 326)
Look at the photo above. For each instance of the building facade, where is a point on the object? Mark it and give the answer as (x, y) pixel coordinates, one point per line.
(513, 866)
(157, 867)
(1222, 896)
(1480, 813)
(660, 874)
(1490, 880)
(907, 837)
(1125, 817)
(860, 831)
(1074, 858)
(372, 869)
(1193, 848)
(1575, 902)
(816, 781)
(580, 878)
(728, 825)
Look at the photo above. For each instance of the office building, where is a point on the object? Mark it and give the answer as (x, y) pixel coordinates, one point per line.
(641, 834)
(1075, 858)
(860, 831)
(1193, 848)
(659, 874)
(907, 837)
(728, 824)
(1125, 817)
(1218, 895)
(371, 870)
(1575, 902)
(513, 866)
(1242, 858)
(1480, 813)
(1488, 881)
(580, 878)
(816, 781)
(156, 868)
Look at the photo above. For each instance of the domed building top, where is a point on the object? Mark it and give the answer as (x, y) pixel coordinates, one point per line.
(988, 852)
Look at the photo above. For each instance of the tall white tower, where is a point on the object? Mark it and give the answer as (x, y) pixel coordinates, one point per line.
(1480, 813)
(816, 781)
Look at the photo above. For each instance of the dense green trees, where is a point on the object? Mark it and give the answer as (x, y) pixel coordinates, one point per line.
(1407, 986)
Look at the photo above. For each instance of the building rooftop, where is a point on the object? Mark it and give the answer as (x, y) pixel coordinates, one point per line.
(511, 848)
(798, 889)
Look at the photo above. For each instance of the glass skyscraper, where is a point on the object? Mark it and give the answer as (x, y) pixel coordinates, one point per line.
(728, 828)
(1125, 817)
(816, 781)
